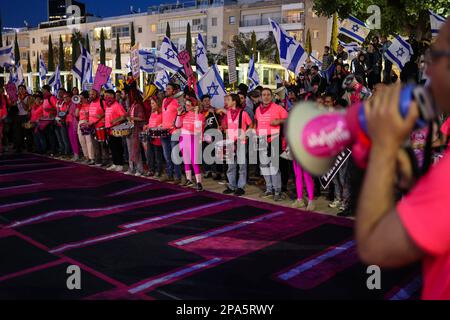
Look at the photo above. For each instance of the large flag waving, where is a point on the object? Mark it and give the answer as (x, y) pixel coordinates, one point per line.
(6, 57)
(355, 29)
(42, 69)
(351, 47)
(436, 22)
(399, 52)
(212, 84)
(162, 79)
(292, 54)
(200, 56)
(252, 74)
(16, 75)
(83, 67)
(55, 80)
(147, 60)
(168, 57)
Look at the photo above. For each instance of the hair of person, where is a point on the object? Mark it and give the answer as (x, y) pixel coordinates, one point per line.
(22, 86)
(203, 97)
(39, 94)
(110, 91)
(67, 93)
(235, 97)
(62, 89)
(327, 47)
(85, 94)
(315, 68)
(135, 96)
(267, 89)
(243, 87)
(192, 100)
(173, 85)
(46, 87)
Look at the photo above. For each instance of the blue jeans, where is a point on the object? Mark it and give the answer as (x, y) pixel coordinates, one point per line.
(154, 158)
(63, 139)
(168, 146)
(39, 142)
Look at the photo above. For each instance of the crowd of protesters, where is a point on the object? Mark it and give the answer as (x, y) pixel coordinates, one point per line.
(83, 128)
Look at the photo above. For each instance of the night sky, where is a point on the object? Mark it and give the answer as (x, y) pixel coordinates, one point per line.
(35, 11)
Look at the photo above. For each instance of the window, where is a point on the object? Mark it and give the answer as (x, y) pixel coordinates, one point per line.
(250, 20)
(139, 29)
(231, 19)
(272, 15)
(316, 34)
(196, 22)
(153, 28)
(106, 31)
(122, 31)
(214, 22)
(153, 44)
(34, 41)
(214, 40)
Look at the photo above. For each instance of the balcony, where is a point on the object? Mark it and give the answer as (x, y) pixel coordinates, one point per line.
(265, 21)
(199, 27)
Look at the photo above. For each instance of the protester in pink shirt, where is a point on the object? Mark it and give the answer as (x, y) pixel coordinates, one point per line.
(87, 145)
(268, 117)
(154, 150)
(416, 228)
(97, 120)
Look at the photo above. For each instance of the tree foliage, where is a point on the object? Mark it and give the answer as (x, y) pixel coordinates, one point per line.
(168, 30)
(62, 65)
(16, 51)
(102, 48)
(51, 61)
(308, 45)
(118, 57)
(132, 35)
(267, 48)
(334, 34)
(406, 17)
(189, 42)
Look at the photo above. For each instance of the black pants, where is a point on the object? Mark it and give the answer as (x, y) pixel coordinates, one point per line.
(154, 158)
(115, 145)
(50, 136)
(18, 132)
(285, 169)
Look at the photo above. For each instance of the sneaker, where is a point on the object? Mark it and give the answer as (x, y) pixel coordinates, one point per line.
(228, 191)
(266, 195)
(207, 175)
(335, 204)
(138, 174)
(239, 192)
(118, 169)
(90, 162)
(98, 165)
(113, 167)
(199, 187)
(188, 183)
(299, 204)
(311, 206)
(277, 197)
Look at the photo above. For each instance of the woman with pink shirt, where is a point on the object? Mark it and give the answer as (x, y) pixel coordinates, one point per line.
(61, 125)
(37, 111)
(191, 122)
(154, 150)
(85, 139)
(72, 124)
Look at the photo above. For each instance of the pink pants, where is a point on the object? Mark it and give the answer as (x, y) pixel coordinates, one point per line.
(301, 174)
(190, 148)
(73, 137)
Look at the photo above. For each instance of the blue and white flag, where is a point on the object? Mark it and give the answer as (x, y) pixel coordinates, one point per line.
(109, 85)
(162, 79)
(42, 69)
(6, 57)
(201, 59)
(82, 69)
(351, 47)
(55, 80)
(211, 84)
(399, 52)
(168, 57)
(16, 75)
(355, 29)
(292, 54)
(147, 60)
(252, 75)
(436, 22)
(316, 61)
(278, 81)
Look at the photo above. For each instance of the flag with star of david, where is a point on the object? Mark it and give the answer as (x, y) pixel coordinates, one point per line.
(162, 79)
(168, 57)
(253, 76)
(147, 60)
(201, 59)
(399, 52)
(436, 22)
(292, 54)
(355, 29)
(212, 84)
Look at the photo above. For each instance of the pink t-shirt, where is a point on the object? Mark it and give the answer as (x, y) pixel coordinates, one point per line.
(169, 113)
(425, 216)
(84, 112)
(36, 112)
(192, 123)
(49, 107)
(95, 110)
(154, 121)
(445, 128)
(233, 124)
(113, 112)
(264, 118)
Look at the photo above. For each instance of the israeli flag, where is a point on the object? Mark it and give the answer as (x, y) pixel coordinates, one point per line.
(316, 61)
(351, 47)
(399, 52)
(292, 54)
(16, 75)
(109, 85)
(162, 79)
(212, 84)
(82, 69)
(168, 57)
(200, 56)
(55, 80)
(147, 60)
(252, 75)
(278, 81)
(436, 22)
(42, 69)
(6, 57)
(355, 29)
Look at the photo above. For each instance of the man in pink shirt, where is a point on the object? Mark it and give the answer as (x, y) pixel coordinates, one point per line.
(268, 117)
(97, 119)
(417, 228)
(169, 114)
(48, 115)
